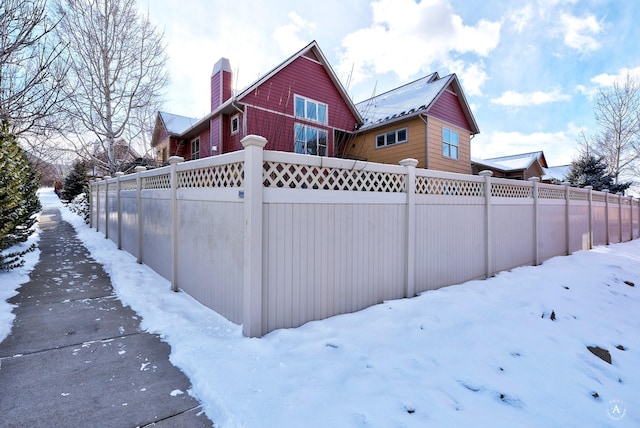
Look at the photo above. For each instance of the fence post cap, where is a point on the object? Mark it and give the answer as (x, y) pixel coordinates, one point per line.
(119, 174)
(253, 140)
(486, 173)
(588, 187)
(605, 191)
(140, 168)
(566, 183)
(409, 162)
(535, 179)
(175, 159)
(106, 177)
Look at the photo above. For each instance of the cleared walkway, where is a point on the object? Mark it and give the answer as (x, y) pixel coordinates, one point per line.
(77, 357)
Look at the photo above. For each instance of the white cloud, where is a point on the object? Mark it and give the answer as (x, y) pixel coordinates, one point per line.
(286, 36)
(559, 147)
(407, 37)
(520, 99)
(606, 79)
(580, 33)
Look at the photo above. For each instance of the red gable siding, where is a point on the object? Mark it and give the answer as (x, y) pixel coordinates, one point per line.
(273, 102)
(449, 109)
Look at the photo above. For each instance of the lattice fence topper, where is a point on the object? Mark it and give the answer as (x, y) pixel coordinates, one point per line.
(128, 185)
(227, 175)
(510, 191)
(157, 182)
(545, 193)
(296, 176)
(578, 196)
(447, 186)
(598, 197)
(112, 187)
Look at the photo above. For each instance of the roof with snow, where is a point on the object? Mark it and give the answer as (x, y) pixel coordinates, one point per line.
(411, 99)
(176, 124)
(513, 162)
(556, 172)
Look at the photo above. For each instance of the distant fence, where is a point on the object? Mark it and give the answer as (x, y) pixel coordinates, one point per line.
(272, 240)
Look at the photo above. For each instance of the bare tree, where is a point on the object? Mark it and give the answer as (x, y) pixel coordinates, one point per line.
(117, 73)
(30, 68)
(617, 111)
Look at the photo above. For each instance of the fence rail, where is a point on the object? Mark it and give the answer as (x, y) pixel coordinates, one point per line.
(272, 240)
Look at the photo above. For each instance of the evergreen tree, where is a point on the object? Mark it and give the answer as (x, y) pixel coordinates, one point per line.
(591, 171)
(19, 202)
(76, 182)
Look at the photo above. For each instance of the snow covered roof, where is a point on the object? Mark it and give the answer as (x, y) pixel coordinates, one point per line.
(556, 172)
(176, 124)
(513, 162)
(411, 99)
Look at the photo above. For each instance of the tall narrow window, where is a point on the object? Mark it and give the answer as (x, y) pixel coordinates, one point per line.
(309, 109)
(449, 143)
(195, 149)
(235, 124)
(310, 140)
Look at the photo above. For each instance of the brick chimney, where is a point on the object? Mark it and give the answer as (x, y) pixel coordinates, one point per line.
(220, 83)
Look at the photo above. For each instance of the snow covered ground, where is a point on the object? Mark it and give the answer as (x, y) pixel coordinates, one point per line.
(510, 351)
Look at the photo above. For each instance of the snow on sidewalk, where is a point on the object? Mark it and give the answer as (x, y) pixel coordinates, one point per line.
(509, 351)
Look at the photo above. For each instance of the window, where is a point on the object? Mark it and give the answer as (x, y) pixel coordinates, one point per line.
(391, 138)
(195, 149)
(311, 110)
(310, 140)
(235, 124)
(449, 143)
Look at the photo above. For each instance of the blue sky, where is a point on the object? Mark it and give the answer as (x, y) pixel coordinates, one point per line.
(529, 68)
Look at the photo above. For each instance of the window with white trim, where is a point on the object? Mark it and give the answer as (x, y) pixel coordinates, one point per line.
(310, 140)
(306, 108)
(392, 137)
(235, 124)
(449, 143)
(195, 149)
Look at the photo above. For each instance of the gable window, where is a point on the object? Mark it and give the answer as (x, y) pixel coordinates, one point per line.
(310, 140)
(306, 108)
(195, 149)
(392, 137)
(449, 143)
(235, 124)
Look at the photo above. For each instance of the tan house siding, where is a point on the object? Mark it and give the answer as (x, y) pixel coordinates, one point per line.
(363, 145)
(441, 163)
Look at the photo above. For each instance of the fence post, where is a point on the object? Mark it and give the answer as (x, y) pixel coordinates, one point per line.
(567, 223)
(536, 251)
(606, 215)
(252, 266)
(173, 162)
(631, 216)
(139, 170)
(620, 217)
(106, 206)
(118, 175)
(410, 236)
(488, 259)
(590, 234)
(97, 205)
(91, 202)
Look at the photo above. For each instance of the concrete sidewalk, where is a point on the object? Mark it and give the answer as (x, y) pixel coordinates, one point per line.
(77, 357)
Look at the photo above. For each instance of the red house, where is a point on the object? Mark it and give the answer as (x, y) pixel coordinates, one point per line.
(299, 106)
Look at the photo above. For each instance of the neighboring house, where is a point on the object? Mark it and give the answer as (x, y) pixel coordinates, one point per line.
(127, 158)
(556, 174)
(299, 106)
(518, 167)
(428, 119)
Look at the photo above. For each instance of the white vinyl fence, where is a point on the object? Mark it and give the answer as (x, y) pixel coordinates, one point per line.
(272, 240)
